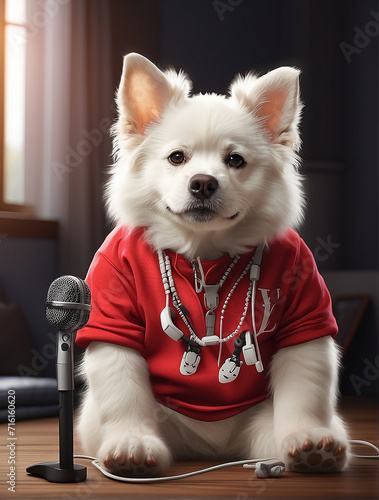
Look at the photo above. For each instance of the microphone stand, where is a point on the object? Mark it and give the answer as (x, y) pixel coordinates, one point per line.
(64, 471)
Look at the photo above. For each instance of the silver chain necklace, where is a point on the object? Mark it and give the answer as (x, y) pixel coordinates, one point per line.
(210, 298)
(191, 357)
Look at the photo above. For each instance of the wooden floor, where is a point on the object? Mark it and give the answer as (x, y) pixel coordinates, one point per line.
(37, 441)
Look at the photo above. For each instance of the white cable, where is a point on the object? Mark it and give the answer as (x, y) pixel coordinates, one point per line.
(259, 365)
(365, 443)
(95, 462)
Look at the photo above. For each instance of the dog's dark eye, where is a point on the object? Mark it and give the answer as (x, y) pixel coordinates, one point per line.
(235, 161)
(177, 158)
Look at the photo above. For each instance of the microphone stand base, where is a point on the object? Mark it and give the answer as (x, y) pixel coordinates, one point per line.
(51, 471)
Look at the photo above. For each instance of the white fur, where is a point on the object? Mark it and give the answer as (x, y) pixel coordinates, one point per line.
(120, 421)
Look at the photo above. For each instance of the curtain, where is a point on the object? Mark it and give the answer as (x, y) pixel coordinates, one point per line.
(69, 109)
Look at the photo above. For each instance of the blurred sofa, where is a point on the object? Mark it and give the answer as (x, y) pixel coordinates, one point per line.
(35, 396)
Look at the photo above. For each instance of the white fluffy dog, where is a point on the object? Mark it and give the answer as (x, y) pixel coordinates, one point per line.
(247, 367)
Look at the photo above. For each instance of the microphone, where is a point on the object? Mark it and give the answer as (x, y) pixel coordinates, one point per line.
(68, 307)
(68, 303)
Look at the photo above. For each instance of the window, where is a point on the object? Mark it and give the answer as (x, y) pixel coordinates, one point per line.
(12, 105)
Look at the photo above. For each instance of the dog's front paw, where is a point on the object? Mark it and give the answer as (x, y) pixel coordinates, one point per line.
(317, 450)
(133, 455)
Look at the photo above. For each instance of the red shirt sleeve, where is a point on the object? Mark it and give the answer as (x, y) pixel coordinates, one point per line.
(307, 314)
(115, 315)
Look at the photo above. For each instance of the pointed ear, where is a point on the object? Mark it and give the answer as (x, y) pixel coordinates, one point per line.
(274, 98)
(145, 91)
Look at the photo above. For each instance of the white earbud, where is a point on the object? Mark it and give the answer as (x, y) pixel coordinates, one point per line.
(229, 370)
(167, 315)
(268, 468)
(190, 362)
(249, 350)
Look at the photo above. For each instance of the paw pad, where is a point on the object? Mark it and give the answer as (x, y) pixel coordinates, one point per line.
(133, 456)
(316, 461)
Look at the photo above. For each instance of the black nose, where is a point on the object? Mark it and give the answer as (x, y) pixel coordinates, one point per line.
(203, 186)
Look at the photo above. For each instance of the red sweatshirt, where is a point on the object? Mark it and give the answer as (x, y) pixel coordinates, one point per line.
(128, 297)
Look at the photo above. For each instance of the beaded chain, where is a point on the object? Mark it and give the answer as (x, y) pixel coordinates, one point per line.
(169, 286)
(247, 300)
(170, 289)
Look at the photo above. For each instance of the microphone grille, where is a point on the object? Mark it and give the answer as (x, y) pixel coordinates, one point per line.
(68, 289)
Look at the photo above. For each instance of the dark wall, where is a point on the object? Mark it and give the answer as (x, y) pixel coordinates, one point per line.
(360, 141)
(335, 44)
(135, 27)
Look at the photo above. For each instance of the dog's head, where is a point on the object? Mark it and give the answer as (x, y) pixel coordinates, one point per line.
(206, 174)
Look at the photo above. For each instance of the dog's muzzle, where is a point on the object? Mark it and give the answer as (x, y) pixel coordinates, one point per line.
(205, 205)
